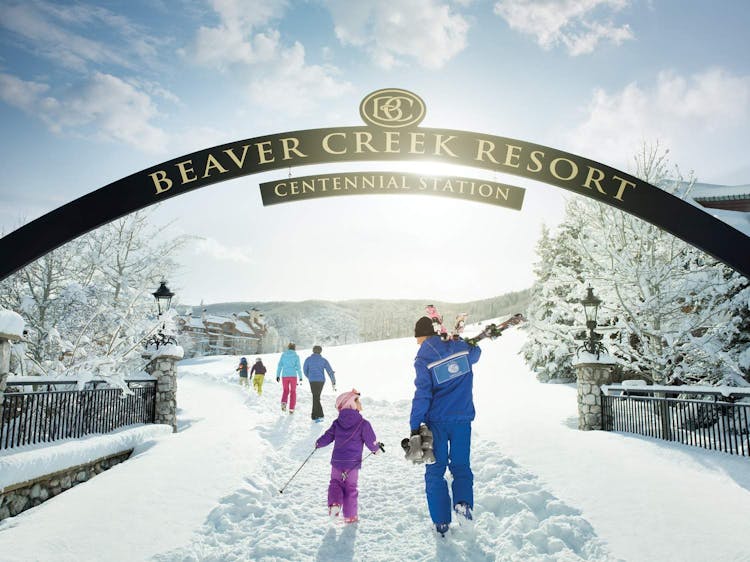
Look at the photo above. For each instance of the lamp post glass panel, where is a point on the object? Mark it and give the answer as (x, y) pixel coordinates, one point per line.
(591, 309)
(163, 298)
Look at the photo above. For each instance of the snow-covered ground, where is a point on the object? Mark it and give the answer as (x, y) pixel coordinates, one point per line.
(544, 490)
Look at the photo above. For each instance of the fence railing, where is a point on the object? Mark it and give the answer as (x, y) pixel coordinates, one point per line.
(712, 419)
(35, 412)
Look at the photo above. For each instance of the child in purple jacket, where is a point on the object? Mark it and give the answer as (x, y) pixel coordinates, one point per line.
(348, 433)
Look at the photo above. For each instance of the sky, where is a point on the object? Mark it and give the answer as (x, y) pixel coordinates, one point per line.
(93, 92)
(543, 490)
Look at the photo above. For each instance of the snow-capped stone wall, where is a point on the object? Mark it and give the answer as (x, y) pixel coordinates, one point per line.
(25, 495)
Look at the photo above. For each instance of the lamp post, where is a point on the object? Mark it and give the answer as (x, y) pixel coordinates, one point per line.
(591, 304)
(163, 297)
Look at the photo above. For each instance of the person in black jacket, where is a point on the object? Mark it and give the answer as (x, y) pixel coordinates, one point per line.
(258, 371)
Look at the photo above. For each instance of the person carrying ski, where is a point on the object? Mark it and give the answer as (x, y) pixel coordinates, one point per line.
(258, 371)
(315, 368)
(288, 370)
(443, 400)
(242, 368)
(348, 433)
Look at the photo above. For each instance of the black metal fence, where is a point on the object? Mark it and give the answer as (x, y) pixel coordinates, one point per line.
(702, 418)
(35, 412)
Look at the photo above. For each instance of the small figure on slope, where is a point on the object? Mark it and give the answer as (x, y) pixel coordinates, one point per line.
(289, 370)
(242, 368)
(315, 368)
(349, 432)
(258, 371)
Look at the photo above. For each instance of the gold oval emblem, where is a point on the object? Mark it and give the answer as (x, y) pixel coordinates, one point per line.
(393, 108)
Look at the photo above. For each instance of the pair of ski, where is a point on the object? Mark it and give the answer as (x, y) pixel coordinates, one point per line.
(494, 330)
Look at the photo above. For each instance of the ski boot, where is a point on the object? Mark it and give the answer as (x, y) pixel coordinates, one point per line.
(283, 406)
(291, 412)
(413, 448)
(428, 455)
(442, 528)
(463, 513)
(334, 509)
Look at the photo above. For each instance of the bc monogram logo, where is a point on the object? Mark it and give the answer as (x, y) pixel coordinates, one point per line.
(392, 108)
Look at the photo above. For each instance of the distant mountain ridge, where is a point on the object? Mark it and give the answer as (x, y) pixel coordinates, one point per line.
(356, 321)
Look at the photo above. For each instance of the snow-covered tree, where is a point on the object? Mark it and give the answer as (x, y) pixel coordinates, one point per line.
(551, 311)
(672, 313)
(88, 304)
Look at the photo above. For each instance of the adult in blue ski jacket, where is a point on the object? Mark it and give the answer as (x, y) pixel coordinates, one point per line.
(315, 368)
(443, 400)
(288, 370)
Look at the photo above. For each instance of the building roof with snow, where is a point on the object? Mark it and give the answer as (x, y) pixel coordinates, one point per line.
(726, 197)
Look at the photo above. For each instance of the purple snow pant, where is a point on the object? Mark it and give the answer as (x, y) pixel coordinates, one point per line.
(342, 490)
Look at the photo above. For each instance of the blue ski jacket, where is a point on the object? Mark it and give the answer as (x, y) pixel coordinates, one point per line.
(289, 365)
(315, 368)
(444, 382)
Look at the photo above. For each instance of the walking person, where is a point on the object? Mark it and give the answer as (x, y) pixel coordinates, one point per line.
(288, 370)
(315, 368)
(258, 371)
(349, 432)
(242, 368)
(443, 401)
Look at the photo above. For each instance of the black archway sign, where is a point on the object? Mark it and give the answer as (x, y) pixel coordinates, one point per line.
(392, 134)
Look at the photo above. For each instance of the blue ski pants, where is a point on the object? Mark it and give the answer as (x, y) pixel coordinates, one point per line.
(451, 444)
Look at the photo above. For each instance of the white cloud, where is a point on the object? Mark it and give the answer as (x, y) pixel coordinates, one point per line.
(575, 24)
(295, 87)
(107, 106)
(219, 251)
(287, 82)
(236, 39)
(52, 32)
(425, 30)
(675, 111)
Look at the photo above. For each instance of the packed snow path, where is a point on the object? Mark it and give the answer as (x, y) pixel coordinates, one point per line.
(516, 519)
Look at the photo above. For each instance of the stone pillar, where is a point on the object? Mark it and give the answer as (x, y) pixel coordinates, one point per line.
(592, 374)
(11, 330)
(4, 369)
(163, 367)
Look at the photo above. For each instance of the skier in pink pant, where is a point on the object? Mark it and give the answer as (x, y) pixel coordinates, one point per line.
(289, 370)
(348, 433)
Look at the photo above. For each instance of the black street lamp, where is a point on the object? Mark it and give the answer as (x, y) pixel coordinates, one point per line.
(591, 309)
(163, 297)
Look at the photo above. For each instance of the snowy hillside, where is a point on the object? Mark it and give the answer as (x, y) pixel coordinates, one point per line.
(347, 322)
(544, 490)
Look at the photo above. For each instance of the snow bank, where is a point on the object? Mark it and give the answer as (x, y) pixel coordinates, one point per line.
(26, 463)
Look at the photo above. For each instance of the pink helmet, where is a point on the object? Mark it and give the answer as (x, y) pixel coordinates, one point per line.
(347, 400)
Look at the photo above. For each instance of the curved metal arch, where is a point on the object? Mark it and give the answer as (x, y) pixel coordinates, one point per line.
(360, 144)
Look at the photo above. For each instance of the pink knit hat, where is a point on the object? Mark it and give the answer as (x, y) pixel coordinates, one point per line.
(347, 400)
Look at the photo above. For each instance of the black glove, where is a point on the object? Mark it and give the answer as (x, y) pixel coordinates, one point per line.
(381, 446)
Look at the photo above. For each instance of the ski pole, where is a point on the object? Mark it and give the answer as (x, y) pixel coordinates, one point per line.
(382, 448)
(295, 474)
